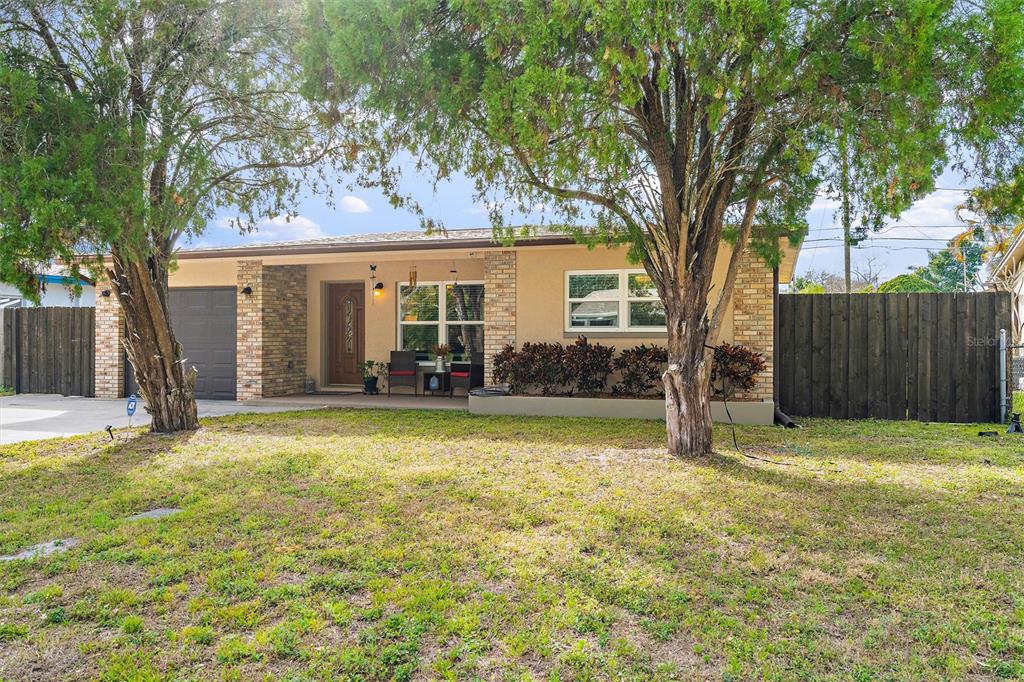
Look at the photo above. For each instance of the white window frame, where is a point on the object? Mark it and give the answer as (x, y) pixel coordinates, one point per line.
(623, 299)
(442, 313)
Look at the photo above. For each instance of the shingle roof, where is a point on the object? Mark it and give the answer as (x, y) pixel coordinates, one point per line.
(408, 239)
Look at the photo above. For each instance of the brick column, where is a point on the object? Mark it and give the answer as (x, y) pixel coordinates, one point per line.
(753, 318)
(271, 330)
(249, 331)
(109, 349)
(499, 305)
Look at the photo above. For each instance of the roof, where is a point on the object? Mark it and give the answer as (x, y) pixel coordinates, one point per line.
(383, 241)
(1012, 256)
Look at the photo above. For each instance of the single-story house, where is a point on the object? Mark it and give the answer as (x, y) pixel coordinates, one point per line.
(58, 290)
(258, 320)
(1007, 274)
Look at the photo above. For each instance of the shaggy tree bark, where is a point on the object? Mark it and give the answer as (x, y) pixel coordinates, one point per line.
(167, 387)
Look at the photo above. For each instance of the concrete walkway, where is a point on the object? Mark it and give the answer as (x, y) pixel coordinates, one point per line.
(30, 416)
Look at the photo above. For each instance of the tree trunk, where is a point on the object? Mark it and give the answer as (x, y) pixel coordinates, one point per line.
(687, 383)
(167, 389)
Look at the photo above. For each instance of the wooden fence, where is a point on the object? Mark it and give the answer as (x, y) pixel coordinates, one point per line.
(927, 357)
(48, 350)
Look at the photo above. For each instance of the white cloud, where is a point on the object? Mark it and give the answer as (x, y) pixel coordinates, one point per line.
(282, 227)
(351, 204)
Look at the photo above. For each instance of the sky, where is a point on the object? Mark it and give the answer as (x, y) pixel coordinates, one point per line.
(902, 245)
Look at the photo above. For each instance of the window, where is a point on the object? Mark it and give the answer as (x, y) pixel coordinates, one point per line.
(448, 312)
(612, 300)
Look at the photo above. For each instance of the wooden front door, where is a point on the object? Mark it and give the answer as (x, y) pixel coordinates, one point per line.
(345, 342)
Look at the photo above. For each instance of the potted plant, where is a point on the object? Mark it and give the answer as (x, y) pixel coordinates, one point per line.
(371, 371)
(441, 353)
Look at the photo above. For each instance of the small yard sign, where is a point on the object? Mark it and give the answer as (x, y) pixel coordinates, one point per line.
(132, 401)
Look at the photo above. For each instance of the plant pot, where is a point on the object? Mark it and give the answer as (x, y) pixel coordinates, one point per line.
(370, 385)
(439, 364)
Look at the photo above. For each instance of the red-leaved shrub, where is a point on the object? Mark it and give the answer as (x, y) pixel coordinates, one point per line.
(640, 368)
(587, 365)
(735, 369)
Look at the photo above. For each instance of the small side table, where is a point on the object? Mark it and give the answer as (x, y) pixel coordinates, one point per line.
(444, 381)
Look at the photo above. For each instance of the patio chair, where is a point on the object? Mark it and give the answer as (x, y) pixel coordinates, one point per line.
(402, 370)
(468, 375)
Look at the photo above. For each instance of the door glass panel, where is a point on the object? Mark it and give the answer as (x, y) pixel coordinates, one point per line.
(350, 326)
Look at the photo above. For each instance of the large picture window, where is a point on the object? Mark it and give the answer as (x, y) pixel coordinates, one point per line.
(612, 300)
(441, 312)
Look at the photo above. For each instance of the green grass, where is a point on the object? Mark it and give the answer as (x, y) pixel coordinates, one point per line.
(6, 391)
(387, 545)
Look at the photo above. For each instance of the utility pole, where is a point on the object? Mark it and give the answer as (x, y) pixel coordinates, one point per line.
(844, 181)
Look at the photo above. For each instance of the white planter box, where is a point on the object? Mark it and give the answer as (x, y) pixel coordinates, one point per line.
(612, 408)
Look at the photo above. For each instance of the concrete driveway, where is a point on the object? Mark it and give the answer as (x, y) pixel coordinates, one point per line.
(33, 416)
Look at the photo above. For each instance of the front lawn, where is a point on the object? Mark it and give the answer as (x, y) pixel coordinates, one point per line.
(376, 545)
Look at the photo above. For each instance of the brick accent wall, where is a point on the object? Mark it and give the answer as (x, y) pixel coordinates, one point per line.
(499, 305)
(754, 318)
(271, 330)
(109, 349)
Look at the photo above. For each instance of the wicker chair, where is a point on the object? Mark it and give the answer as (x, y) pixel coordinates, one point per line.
(468, 375)
(402, 370)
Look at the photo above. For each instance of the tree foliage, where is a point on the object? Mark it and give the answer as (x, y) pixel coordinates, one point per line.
(673, 126)
(907, 284)
(124, 126)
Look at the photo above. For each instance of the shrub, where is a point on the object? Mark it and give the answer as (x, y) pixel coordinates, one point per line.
(587, 365)
(505, 368)
(735, 369)
(543, 366)
(640, 368)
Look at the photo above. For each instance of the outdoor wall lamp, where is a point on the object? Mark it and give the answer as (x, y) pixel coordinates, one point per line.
(247, 290)
(378, 288)
(105, 293)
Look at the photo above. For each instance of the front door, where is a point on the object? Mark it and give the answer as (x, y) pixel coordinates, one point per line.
(345, 343)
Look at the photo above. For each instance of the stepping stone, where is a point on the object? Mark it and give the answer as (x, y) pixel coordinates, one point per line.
(42, 550)
(158, 513)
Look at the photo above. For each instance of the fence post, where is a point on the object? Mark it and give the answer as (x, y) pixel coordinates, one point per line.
(1002, 376)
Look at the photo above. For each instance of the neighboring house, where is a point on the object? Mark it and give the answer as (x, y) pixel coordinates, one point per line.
(257, 320)
(58, 290)
(1008, 275)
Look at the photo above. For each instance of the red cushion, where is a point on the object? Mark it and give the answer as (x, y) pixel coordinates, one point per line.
(403, 372)
(460, 374)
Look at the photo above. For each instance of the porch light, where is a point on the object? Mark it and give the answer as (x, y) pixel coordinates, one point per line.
(247, 290)
(378, 288)
(105, 293)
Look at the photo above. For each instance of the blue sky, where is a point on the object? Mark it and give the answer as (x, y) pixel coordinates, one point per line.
(903, 244)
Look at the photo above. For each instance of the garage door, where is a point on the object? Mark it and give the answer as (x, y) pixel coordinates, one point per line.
(204, 323)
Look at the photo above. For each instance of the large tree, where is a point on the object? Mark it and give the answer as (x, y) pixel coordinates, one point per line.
(124, 125)
(670, 126)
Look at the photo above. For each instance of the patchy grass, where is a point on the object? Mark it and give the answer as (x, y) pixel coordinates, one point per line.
(6, 391)
(380, 545)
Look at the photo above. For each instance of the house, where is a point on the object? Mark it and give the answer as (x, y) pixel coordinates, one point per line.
(1007, 274)
(257, 320)
(58, 290)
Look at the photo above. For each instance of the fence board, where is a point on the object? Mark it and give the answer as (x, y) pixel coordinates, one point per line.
(839, 331)
(48, 350)
(820, 374)
(929, 357)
